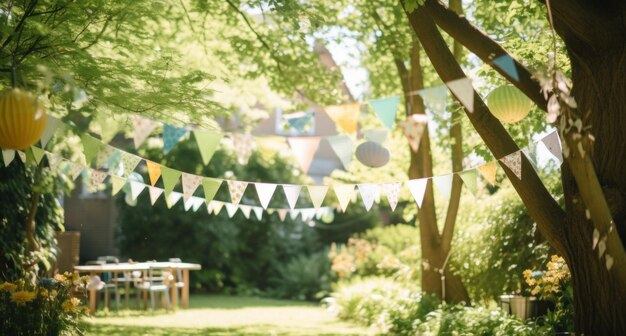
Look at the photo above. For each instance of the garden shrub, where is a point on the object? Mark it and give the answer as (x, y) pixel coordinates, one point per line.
(304, 277)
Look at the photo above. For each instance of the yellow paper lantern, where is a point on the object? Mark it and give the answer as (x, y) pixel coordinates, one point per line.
(508, 104)
(22, 119)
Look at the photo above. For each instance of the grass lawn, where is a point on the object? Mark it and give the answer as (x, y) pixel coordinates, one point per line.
(225, 315)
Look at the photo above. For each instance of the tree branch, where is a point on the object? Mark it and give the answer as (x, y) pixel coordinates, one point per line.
(484, 47)
(541, 206)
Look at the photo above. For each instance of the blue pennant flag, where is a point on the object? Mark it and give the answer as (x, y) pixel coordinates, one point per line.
(171, 136)
(506, 63)
(299, 120)
(386, 109)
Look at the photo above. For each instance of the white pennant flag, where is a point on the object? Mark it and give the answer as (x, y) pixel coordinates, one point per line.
(417, 188)
(236, 188)
(265, 192)
(293, 214)
(392, 191)
(142, 128)
(344, 194)
(369, 193)
(190, 184)
(462, 88)
(308, 214)
(197, 203)
(514, 162)
(187, 204)
(292, 192)
(231, 209)
(444, 184)
(7, 156)
(173, 199)
(155, 193)
(217, 207)
(22, 156)
(245, 210)
(282, 214)
(52, 124)
(258, 212)
(136, 188)
(553, 144)
(317, 194)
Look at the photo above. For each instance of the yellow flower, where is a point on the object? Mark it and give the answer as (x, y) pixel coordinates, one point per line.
(7, 287)
(43, 292)
(60, 278)
(70, 305)
(21, 297)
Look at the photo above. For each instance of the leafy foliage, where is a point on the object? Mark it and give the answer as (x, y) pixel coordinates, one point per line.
(304, 277)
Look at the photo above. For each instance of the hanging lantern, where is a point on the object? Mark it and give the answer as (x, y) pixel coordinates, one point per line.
(22, 120)
(372, 154)
(508, 104)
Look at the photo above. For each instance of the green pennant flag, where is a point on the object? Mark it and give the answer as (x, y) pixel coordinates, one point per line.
(470, 177)
(386, 109)
(170, 179)
(30, 157)
(117, 183)
(207, 143)
(38, 154)
(91, 147)
(210, 186)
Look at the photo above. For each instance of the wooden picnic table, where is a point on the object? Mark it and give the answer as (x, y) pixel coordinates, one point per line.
(142, 266)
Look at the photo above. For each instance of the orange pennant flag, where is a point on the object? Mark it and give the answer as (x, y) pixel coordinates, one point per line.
(488, 171)
(154, 170)
(346, 116)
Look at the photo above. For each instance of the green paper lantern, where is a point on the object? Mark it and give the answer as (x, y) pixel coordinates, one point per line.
(508, 104)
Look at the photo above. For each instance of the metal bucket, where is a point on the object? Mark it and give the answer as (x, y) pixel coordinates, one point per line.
(520, 306)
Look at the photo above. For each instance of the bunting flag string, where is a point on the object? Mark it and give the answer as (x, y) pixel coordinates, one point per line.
(386, 109)
(344, 194)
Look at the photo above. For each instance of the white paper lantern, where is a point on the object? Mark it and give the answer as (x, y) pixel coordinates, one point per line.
(508, 104)
(372, 154)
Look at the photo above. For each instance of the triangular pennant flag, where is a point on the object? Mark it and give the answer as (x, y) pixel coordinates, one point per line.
(282, 214)
(506, 63)
(245, 210)
(30, 158)
(413, 128)
(304, 149)
(292, 192)
(342, 145)
(258, 212)
(53, 161)
(38, 154)
(76, 169)
(392, 191)
(190, 184)
(171, 136)
(265, 192)
(172, 199)
(417, 188)
(117, 183)
(96, 178)
(378, 135)
(142, 127)
(514, 162)
(236, 188)
(552, 143)
(210, 186)
(207, 144)
(488, 171)
(346, 116)
(386, 109)
(444, 184)
(344, 194)
(154, 170)
(154, 194)
(197, 203)
(243, 144)
(231, 209)
(369, 192)
(52, 124)
(299, 120)
(307, 214)
(187, 204)
(7, 156)
(317, 194)
(470, 177)
(435, 98)
(104, 155)
(130, 162)
(170, 179)
(136, 188)
(217, 207)
(22, 156)
(109, 126)
(293, 214)
(464, 91)
(91, 147)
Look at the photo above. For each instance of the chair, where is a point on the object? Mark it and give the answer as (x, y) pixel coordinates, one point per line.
(179, 284)
(111, 281)
(156, 282)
